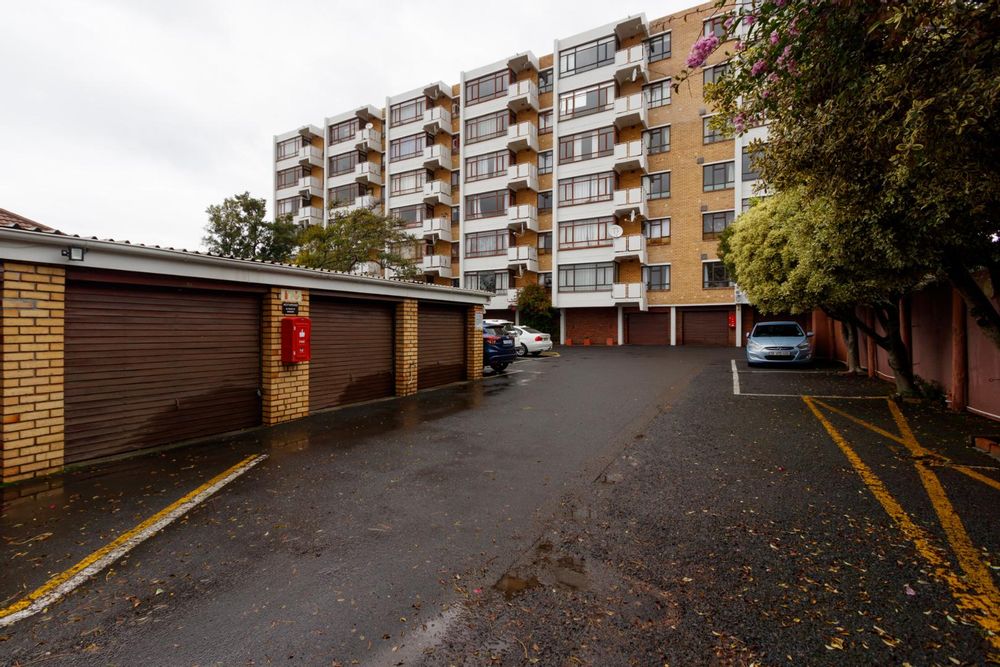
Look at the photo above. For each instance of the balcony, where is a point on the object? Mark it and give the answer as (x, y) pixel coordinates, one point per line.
(522, 177)
(311, 186)
(631, 202)
(437, 120)
(630, 110)
(437, 192)
(522, 95)
(310, 156)
(512, 295)
(308, 216)
(367, 269)
(368, 202)
(437, 265)
(368, 173)
(368, 139)
(523, 256)
(437, 156)
(629, 293)
(632, 246)
(522, 216)
(631, 64)
(630, 156)
(437, 229)
(522, 137)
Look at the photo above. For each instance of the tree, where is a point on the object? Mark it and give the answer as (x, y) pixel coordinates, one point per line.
(362, 235)
(786, 254)
(535, 307)
(889, 111)
(237, 227)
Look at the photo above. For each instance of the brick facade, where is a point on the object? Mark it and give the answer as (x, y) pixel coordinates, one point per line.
(407, 361)
(33, 321)
(597, 324)
(473, 344)
(285, 393)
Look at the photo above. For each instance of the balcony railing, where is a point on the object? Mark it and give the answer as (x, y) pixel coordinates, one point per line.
(522, 136)
(630, 110)
(437, 192)
(630, 156)
(309, 215)
(437, 265)
(629, 201)
(368, 139)
(632, 246)
(629, 293)
(512, 295)
(437, 119)
(437, 228)
(360, 202)
(310, 156)
(522, 176)
(368, 172)
(437, 156)
(522, 216)
(631, 64)
(522, 95)
(367, 269)
(523, 255)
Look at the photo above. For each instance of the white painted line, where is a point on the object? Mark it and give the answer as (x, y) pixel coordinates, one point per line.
(736, 378)
(63, 584)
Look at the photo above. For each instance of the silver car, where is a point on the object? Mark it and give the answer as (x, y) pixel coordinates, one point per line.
(779, 343)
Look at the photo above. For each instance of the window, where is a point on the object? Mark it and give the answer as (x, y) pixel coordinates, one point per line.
(586, 189)
(589, 233)
(344, 131)
(658, 185)
(718, 176)
(545, 201)
(412, 250)
(345, 194)
(750, 202)
(486, 205)
(456, 143)
(587, 145)
(545, 279)
(587, 277)
(487, 244)
(454, 179)
(657, 94)
(288, 206)
(715, 26)
(657, 278)
(713, 224)
(545, 163)
(658, 140)
(751, 172)
(408, 182)
(592, 99)
(344, 163)
(545, 81)
(714, 275)
(413, 216)
(289, 178)
(488, 281)
(455, 215)
(288, 147)
(587, 56)
(658, 47)
(657, 231)
(487, 127)
(456, 107)
(545, 243)
(407, 112)
(407, 147)
(545, 122)
(454, 254)
(709, 134)
(486, 166)
(714, 73)
(487, 87)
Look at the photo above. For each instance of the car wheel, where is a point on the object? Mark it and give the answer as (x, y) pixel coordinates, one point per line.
(498, 367)
(522, 351)
(535, 354)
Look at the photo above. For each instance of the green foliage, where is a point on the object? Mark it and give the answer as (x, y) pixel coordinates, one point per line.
(237, 227)
(535, 307)
(356, 237)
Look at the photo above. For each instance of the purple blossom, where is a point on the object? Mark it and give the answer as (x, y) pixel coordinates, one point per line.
(739, 122)
(749, 19)
(701, 50)
(758, 67)
(774, 37)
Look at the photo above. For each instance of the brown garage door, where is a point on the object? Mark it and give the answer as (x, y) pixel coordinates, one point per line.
(441, 339)
(706, 327)
(352, 352)
(649, 328)
(151, 366)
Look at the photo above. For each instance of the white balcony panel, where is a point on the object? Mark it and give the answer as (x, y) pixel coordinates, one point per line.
(310, 186)
(367, 269)
(523, 176)
(498, 302)
(631, 64)
(525, 256)
(491, 263)
(407, 164)
(581, 211)
(523, 216)
(586, 122)
(368, 172)
(583, 299)
(308, 215)
(437, 119)
(629, 293)
(597, 165)
(437, 192)
(498, 182)
(340, 179)
(630, 110)
(368, 202)
(311, 156)
(437, 265)
(368, 140)
(630, 156)
(522, 95)
(603, 253)
(437, 156)
(627, 201)
(437, 228)
(522, 136)
(632, 246)
(512, 295)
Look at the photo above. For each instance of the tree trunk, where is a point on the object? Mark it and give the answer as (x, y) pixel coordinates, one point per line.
(981, 308)
(850, 331)
(899, 356)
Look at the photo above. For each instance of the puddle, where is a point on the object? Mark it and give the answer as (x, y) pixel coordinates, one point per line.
(512, 586)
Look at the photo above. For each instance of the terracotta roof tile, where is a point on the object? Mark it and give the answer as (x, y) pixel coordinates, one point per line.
(8, 219)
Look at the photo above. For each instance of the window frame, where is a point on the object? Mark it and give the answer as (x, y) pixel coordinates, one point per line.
(573, 52)
(711, 234)
(355, 160)
(420, 176)
(604, 177)
(420, 104)
(281, 185)
(665, 53)
(709, 135)
(470, 200)
(662, 239)
(474, 137)
(663, 86)
(648, 139)
(500, 90)
(426, 212)
(294, 204)
(602, 136)
(706, 282)
(545, 247)
(501, 238)
(604, 88)
(547, 209)
(355, 189)
(647, 277)
(394, 146)
(280, 147)
(711, 73)
(648, 184)
(745, 166)
(472, 165)
(352, 126)
(603, 239)
(496, 289)
(549, 162)
(545, 127)
(729, 176)
(601, 269)
(546, 87)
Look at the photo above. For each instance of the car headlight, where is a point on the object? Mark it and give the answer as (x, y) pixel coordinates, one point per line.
(804, 346)
(754, 346)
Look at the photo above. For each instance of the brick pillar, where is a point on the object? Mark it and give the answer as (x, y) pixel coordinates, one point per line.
(473, 344)
(285, 387)
(407, 361)
(33, 324)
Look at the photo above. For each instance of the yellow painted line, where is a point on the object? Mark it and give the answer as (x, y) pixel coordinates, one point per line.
(65, 582)
(981, 608)
(978, 476)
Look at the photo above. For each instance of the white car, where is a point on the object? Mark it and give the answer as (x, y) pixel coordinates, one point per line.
(531, 341)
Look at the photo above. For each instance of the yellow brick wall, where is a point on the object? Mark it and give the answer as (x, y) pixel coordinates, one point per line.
(407, 360)
(33, 326)
(285, 386)
(474, 345)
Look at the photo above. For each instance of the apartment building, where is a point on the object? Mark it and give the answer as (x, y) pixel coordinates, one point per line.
(582, 170)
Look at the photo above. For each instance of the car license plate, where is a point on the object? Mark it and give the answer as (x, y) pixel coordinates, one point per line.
(507, 343)
(780, 354)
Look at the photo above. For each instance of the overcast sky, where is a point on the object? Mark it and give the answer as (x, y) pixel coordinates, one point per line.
(126, 118)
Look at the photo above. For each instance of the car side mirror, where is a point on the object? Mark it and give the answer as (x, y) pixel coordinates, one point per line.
(809, 334)
(748, 334)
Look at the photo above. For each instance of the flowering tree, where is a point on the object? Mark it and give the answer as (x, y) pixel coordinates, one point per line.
(888, 111)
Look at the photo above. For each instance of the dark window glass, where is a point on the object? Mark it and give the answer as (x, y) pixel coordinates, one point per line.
(599, 97)
(713, 74)
(487, 244)
(345, 194)
(408, 182)
(713, 224)
(412, 216)
(343, 164)
(587, 56)
(454, 179)
(407, 112)
(589, 233)
(487, 87)
(454, 215)
(777, 331)
(486, 205)
(288, 206)
(709, 134)
(289, 178)
(659, 47)
(657, 278)
(344, 131)
(491, 165)
(718, 176)
(545, 279)
(750, 156)
(487, 127)
(456, 143)
(544, 243)
(657, 231)
(545, 81)
(657, 94)
(488, 281)
(587, 145)
(714, 274)
(658, 185)
(715, 26)
(408, 147)
(545, 201)
(586, 189)
(545, 163)
(658, 140)
(545, 122)
(288, 148)
(586, 277)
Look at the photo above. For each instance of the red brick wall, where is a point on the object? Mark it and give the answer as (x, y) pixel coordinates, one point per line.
(598, 324)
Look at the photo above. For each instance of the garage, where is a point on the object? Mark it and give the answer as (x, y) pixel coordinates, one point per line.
(441, 356)
(352, 351)
(650, 328)
(148, 366)
(705, 327)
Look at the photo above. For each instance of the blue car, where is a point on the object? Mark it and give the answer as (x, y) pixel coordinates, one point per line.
(779, 343)
(499, 349)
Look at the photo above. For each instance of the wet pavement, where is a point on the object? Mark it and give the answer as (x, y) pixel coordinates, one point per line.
(605, 507)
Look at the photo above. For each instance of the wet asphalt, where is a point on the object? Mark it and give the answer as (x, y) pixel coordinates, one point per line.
(607, 507)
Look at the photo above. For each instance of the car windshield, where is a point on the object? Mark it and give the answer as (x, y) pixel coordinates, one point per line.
(777, 331)
(494, 330)
(530, 330)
